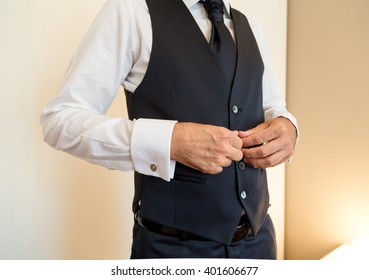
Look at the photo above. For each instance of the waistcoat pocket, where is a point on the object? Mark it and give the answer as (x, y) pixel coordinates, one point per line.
(186, 174)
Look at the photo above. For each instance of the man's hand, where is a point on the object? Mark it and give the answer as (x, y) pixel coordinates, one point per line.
(269, 144)
(206, 148)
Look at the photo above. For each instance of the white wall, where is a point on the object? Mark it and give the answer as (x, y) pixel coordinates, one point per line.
(53, 206)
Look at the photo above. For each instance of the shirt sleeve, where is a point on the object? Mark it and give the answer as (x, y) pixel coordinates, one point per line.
(75, 120)
(273, 103)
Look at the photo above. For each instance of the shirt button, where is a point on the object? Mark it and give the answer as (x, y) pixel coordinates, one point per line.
(243, 195)
(153, 167)
(241, 165)
(235, 109)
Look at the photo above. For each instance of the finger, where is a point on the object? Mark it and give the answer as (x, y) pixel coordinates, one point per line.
(236, 142)
(212, 170)
(262, 150)
(251, 131)
(235, 154)
(225, 162)
(259, 138)
(217, 166)
(256, 142)
(270, 160)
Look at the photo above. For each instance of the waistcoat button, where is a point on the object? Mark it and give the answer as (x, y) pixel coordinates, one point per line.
(235, 109)
(243, 195)
(241, 165)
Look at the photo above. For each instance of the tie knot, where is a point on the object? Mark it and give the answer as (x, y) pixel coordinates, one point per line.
(214, 8)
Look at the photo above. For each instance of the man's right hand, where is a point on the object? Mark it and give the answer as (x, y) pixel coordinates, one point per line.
(206, 148)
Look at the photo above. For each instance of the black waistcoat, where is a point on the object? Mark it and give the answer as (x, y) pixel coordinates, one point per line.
(184, 83)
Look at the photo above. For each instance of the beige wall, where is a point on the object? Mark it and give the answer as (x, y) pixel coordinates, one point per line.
(54, 206)
(327, 201)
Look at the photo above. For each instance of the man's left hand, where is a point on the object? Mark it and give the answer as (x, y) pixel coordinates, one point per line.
(269, 144)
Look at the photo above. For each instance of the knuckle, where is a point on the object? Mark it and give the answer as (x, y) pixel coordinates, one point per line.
(262, 153)
(207, 170)
(212, 169)
(258, 140)
(268, 162)
(223, 147)
(239, 155)
(221, 161)
(216, 170)
(283, 128)
(280, 129)
(224, 132)
(238, 143)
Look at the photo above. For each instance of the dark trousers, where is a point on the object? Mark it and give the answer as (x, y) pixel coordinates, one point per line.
(149, 245)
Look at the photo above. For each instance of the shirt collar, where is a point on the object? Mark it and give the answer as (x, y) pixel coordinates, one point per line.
(190, 3)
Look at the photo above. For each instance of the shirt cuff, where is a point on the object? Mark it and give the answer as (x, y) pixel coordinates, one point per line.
(150, 148)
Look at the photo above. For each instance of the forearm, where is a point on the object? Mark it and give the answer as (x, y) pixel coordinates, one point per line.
(96, 138)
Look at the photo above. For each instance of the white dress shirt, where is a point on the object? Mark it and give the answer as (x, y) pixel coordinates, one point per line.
(115, 52)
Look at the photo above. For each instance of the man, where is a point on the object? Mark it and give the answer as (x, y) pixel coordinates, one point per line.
(198, 136)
